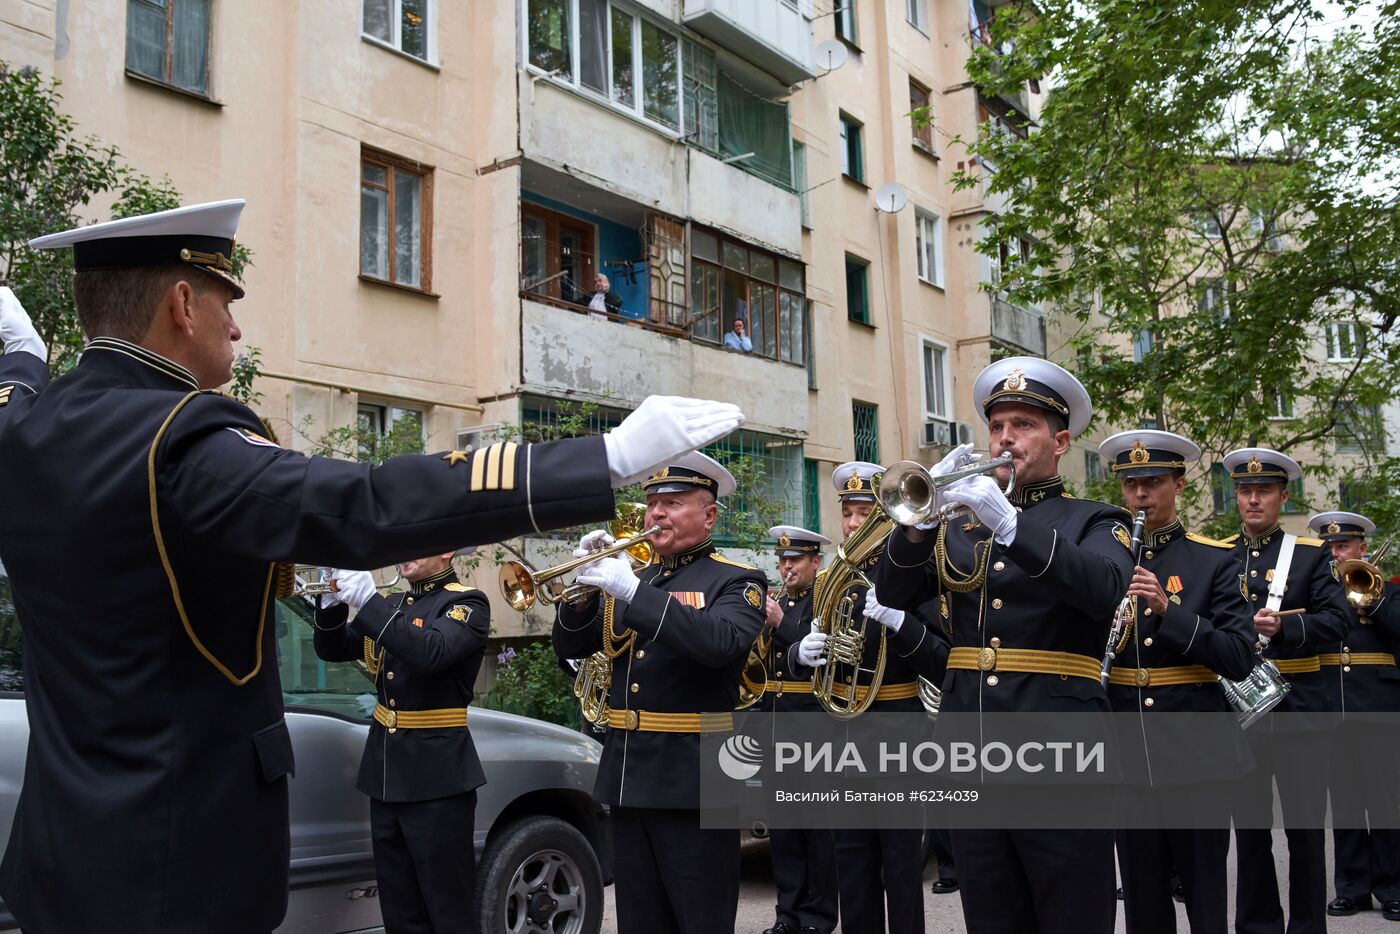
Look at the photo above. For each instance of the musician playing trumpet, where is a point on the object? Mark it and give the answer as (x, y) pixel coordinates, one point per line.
(679, 634)
(1186, 624)
(1278, 573)
(804, 859)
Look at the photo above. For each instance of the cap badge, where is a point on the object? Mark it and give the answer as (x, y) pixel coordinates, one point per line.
(1333, 528)
(854, 482)
(663, 473)
(1015, 381)
(1254, 466)
(1138, 455)
(784, 541)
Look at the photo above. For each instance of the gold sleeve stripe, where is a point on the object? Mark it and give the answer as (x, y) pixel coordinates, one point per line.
(478, 470)
(508, 466)
(493, 467)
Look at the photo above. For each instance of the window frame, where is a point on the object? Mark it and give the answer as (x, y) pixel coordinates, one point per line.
(553, 220)
(921, 138)
(864, 265)
(395, 43)
(166, 80)
(386, 414)
(1334, 341)
(847, 124)
(425, 174)
(845, 23)
(874, 412)
(927, 344)
(573, 81)
(797, 301)
(925, 220)
(916, 14)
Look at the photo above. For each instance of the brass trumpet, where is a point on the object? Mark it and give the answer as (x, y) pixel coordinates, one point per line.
(908, 490)
(311, 580)
(523, 588)
(1362, 579)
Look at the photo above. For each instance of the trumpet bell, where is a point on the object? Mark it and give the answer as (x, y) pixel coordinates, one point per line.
(1363, 581)
(907, 492)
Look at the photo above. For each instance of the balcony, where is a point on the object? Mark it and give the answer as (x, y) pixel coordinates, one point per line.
(1021, 328)
(775, 35)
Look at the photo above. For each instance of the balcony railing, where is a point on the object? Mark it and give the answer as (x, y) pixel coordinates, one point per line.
(1019, 327)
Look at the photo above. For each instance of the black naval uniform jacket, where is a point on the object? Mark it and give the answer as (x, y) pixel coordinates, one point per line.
(1207, 624)
(431, 638)
(1312, 585)
(696, 615)
(1370, 688)
(1055, 587)
(911, 652)
(155, 789)
(797, 622)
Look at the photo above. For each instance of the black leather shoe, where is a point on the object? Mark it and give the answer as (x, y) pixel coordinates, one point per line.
(782, 927)
(1343, 907)
(1390, 911)
(944, 886)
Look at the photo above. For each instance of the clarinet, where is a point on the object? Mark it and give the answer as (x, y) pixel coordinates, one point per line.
(1120, 618)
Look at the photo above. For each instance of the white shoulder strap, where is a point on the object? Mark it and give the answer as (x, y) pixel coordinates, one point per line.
(1280, 581)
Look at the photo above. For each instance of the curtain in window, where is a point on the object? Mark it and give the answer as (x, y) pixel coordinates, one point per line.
(189, 66)
(375, 21)
(145, 38)
(748, 123)
(593, 45)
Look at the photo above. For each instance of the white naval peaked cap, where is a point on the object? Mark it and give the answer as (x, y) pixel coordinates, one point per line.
(1339, 526)
(1147, 451)
(693, 471)
(1038, 382)
(200, 235)
(852, 481)
(1261, 465)
(795, 540)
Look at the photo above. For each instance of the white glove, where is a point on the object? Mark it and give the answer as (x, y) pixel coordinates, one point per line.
(614, 576)
(810, 649)
(16, 330)
(889, 618)
(593, 541)
(662, 429)
(991, 507)
(352, 588)
(956, 459)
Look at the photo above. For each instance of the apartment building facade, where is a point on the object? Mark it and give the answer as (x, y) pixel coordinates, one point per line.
(433, 186)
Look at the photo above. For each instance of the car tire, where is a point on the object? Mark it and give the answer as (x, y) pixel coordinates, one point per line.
(539, 874)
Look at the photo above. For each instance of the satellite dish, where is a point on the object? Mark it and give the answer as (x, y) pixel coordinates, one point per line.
(891, 198)
(832, 54)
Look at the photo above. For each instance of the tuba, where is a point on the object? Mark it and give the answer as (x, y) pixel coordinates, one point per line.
(1362, 579)
(836, 684)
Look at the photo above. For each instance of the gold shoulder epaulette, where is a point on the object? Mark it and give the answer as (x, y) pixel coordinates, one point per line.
(1232, 539)
(1212, 542)
(738, 564)
(1314, 542)
(457, 588)
(1067, 494)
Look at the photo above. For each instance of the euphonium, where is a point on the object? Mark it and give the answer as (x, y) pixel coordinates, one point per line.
(836, 685)
(1362, 579)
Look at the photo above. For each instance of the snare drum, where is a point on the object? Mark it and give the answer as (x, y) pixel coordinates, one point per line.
(1257, 693)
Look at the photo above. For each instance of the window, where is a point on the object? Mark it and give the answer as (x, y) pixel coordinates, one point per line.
(731, 280)
(920, 116)
(1221, 499)
(844, 17)
(866, 423)
(852, 161)
(556, 254)
(1011, 252)
(1297, 498)
(782, 466)
(605, 49)
(799, 181)
(1359, 428)
(1265, 228)
(1093, 466)
(1280, 404)
(811, 495)
(406, 25)
(935, 379)
(1212, 296)
(1208, 225)
(394, 426)
(1142, 344)
(396, 220)
(168, 41)
(700, 97)
(857, 289)
(926, 243)
(1346, 340)
(916, 12)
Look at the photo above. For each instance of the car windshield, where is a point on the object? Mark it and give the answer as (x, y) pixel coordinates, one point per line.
(340, 688)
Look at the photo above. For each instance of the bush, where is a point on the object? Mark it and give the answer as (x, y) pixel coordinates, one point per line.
(530, 682)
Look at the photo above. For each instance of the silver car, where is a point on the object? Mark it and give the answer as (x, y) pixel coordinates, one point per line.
(542, 843)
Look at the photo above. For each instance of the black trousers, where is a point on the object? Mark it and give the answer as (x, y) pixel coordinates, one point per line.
(1181, 830)
(1035, 881)
(938, 845)
(1297, 762)
(804, 873)
(1366, 845)
(672, 876)
(425, 864)
(882, 879)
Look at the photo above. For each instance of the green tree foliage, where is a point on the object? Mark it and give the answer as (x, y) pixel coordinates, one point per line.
(48, 174)
(531, 683)
(1211, 185)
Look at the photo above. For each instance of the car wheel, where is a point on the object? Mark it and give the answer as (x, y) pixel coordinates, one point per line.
(539, 875)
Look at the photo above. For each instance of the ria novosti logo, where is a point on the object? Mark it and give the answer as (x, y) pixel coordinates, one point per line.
(740, 757)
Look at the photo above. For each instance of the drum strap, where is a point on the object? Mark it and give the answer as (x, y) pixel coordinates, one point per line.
(1280, 582)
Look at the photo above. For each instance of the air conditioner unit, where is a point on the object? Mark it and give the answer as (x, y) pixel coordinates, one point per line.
(469, 439)
(938, 433)
(962, 433)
